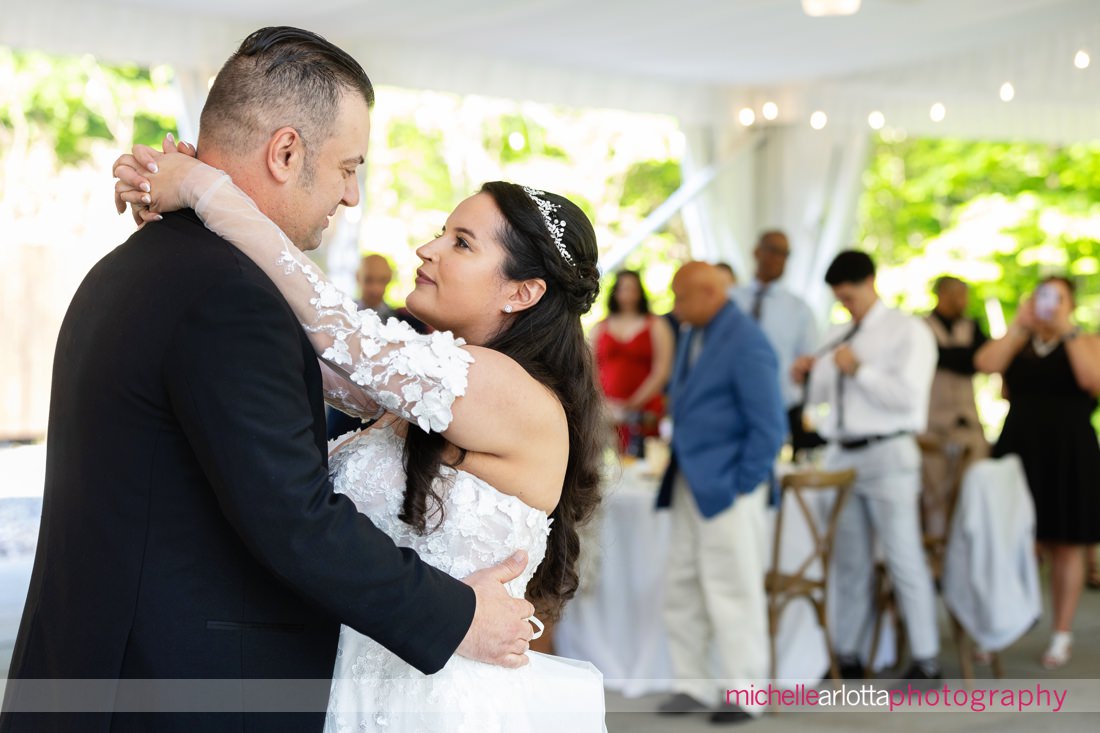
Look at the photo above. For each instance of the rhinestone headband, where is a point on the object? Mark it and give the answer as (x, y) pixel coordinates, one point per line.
(556, 227)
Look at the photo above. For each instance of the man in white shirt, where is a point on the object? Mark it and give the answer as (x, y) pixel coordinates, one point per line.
(786, 320)
(874, 374)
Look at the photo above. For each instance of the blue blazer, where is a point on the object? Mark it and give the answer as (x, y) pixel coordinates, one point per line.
(728, 415)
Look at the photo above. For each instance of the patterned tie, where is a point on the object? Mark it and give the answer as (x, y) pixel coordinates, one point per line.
(840, 383)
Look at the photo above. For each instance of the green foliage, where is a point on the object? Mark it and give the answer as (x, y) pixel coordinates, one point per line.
(69, 103)
(423, 179)
(503, 134)
(649, 183)
(1040, 204)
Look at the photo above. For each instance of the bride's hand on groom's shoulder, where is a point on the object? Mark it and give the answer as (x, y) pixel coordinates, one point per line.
(150, 180)
(500, 633)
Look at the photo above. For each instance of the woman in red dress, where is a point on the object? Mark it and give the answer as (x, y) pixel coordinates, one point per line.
(634, 353)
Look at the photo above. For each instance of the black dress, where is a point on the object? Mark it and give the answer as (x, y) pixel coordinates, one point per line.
(1049, 427)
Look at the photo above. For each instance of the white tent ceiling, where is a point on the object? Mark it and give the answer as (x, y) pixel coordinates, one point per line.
(697, 59)
(700, 60)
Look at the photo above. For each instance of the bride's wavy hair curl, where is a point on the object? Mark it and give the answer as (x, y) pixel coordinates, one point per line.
(548, 342)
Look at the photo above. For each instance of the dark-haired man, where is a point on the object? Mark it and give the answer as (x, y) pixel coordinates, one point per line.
(189, 528)
(874, 375)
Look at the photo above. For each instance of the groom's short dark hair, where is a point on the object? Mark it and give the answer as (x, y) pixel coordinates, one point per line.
(279, 77)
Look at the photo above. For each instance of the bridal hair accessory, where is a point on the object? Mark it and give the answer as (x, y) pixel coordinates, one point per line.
(556, 227)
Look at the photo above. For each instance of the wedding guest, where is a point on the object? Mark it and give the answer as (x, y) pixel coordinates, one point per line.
(729, 425)
(875, 375)
(1052, 379)
(634, 351)
(787, 322)
(373, 277)
(952, 411)
(726, 270)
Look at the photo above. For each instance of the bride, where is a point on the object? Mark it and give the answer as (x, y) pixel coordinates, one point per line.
(491, 438)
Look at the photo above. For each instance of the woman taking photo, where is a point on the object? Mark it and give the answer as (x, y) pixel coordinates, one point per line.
(1052, 378)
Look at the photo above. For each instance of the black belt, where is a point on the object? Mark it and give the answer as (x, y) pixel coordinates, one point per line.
(858, 443)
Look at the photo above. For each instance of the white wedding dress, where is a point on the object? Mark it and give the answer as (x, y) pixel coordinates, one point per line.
(367, 362)
(374, 690)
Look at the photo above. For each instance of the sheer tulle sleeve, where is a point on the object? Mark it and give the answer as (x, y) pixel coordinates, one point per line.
(412, 375)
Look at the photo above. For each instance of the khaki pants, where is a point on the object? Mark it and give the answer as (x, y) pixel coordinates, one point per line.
(715, 604)
(937, 472)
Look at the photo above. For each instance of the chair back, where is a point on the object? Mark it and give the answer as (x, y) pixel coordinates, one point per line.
(956, 457)
(796, 489)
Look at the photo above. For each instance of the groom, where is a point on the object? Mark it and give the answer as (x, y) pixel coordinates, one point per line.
(189, 528)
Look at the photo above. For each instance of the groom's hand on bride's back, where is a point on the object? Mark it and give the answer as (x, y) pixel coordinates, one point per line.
(500, 633)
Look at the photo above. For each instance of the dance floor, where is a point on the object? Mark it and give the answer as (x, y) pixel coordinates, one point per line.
(20, 502)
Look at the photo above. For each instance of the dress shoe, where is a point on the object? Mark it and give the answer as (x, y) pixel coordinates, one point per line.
(730, 715)
(679, 704)
(849, 670)
(919, 677)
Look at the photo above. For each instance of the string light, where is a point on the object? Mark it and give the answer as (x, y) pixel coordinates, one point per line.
(1008, 92)
(770, 110)
(818, 120)
(746, 116)
(1081, 59)
(876, 120)
(938, 112)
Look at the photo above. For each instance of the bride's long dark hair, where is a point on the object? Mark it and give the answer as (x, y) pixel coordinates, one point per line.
(547, 341)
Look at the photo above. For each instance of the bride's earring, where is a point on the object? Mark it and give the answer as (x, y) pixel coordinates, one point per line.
(507, 309)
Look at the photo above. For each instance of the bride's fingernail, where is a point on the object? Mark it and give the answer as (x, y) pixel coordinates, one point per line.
(145, 187)
(171, 139)
(158, 217)
(152, 167)
(146, 199)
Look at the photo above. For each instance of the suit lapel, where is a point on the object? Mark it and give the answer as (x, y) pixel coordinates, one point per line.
(704, 365)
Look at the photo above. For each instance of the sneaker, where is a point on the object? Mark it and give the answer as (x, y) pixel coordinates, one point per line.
(681, 703)
(730, 715)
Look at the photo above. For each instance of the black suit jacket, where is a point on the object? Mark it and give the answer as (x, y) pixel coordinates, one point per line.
(189, 527)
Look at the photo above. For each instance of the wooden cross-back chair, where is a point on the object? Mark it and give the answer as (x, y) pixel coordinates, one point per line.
(784, 587)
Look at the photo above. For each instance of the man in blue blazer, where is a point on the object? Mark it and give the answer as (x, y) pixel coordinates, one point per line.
(728, 424)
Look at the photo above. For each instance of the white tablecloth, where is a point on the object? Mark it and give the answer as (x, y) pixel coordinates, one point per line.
(615, 621)
(22, 470)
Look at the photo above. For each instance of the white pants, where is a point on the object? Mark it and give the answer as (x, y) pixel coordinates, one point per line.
(883, 507)
(715, 604)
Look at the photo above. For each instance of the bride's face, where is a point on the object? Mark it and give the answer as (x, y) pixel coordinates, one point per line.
(460, 287)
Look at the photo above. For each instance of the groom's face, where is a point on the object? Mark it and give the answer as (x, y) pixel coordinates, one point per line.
(314, 196)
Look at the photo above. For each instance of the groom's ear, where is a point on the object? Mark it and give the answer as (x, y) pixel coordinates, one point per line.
(527, 294)
(285, 154)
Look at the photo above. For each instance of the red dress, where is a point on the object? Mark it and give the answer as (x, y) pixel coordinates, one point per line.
(623, 366)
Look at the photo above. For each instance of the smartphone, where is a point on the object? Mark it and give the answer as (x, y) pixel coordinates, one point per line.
(1047, 300)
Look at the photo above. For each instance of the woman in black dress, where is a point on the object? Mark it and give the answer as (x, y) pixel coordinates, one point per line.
(1052, 379)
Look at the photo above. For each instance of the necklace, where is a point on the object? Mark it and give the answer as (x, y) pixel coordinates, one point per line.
(1044, 348)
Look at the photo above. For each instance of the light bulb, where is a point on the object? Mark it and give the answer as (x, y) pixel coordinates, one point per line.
(938, 112)
(770, 110)
(746, 116)
(1008, 92)
(876, 120)
(818, 120)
